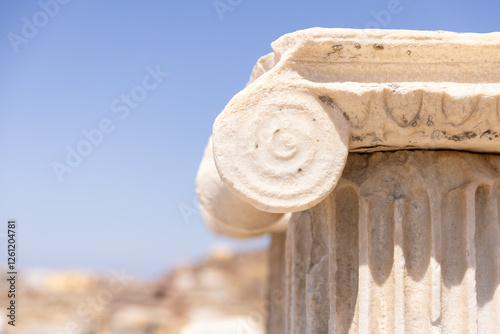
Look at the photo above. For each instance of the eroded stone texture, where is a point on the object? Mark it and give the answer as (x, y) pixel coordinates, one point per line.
(407, 243)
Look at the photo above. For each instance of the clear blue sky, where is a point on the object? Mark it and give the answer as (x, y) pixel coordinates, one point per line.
(120, 207)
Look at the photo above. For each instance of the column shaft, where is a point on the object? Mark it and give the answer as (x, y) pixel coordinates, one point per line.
(409, 242)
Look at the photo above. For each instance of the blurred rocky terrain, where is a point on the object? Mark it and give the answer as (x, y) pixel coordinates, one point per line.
(224, 294)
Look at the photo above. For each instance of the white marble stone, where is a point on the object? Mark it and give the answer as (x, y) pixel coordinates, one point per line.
(385, 147)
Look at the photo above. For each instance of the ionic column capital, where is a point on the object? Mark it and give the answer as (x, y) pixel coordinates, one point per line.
(281, 144)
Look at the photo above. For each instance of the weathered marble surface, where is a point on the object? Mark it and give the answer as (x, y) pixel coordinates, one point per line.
(282, 142)
(409, 242)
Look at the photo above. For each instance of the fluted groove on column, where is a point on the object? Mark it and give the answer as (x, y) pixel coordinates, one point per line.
(457, 311)
(381, 257)
(345, 243)
(487, 239)
(470, 272)
(435, 258)
(276, 301)
(400, 208)
(298, 247)
(400, 252)
(333, 267)
(318, 277)
(416, 241)
(363, 304)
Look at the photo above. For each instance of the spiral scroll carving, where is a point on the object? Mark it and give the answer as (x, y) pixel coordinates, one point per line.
(282, 155)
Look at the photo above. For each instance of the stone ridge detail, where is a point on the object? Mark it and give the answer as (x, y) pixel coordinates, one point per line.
(281, 144)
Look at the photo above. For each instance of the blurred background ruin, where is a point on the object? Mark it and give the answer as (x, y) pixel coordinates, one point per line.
(224, 293)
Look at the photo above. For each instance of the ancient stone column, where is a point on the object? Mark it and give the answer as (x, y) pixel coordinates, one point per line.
(379, 152)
